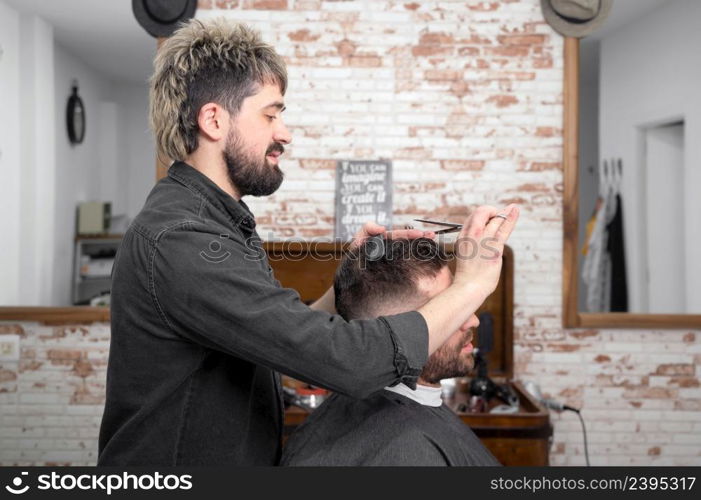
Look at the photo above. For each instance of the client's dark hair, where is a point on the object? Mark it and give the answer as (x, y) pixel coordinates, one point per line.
(383, 271)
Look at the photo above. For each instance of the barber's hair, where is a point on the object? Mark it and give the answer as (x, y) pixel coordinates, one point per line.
(205, 61)
(384, 272)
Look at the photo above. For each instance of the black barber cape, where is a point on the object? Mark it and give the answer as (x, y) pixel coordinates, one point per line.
(384, 429)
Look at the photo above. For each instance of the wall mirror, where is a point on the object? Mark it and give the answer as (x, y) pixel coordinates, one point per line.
(46, 267)
(631, 169)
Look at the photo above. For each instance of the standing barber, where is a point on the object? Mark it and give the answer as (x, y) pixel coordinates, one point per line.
(199, 324)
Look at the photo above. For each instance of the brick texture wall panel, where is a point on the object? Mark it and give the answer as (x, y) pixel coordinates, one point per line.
(52, 415)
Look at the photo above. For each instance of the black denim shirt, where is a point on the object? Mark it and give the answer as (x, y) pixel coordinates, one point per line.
(200, 326)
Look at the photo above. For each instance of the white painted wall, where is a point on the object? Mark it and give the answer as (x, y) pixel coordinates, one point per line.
(651, 74)
(664, 169)
(137, 158)
(111, 181)
(44, 177)
(79, 167)
(28, 164)
(114, 163)
(9, 154)
(37, 161)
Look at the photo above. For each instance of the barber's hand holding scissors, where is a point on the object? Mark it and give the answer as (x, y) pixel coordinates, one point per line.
(479, 248)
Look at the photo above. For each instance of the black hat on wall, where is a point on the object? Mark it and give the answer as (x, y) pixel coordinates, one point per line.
(160, 18)
(575, 18)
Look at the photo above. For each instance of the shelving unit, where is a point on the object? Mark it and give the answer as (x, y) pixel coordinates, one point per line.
(92, 266)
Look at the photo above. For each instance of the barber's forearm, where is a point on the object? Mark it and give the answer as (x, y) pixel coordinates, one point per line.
(447, 311)
(326, 302)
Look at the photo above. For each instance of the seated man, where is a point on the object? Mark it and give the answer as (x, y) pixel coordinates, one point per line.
(398, 425)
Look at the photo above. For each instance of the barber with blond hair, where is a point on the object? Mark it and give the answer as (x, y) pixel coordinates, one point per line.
(200, 326)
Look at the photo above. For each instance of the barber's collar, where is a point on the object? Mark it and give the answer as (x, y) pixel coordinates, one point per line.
(236, 211)
(423, 394)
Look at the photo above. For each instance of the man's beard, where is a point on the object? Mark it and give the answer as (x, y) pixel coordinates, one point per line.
(249, 175)
(448, 362)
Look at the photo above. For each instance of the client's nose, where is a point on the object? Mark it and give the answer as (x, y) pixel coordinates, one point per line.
(473, 322)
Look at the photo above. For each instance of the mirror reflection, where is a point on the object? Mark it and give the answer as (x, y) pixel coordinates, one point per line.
(69, 201)
(639, 165)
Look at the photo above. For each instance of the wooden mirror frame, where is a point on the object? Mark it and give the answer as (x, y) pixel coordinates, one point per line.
(571, 317)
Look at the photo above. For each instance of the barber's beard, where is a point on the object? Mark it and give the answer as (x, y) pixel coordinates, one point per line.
(448, 362)
(251, 176)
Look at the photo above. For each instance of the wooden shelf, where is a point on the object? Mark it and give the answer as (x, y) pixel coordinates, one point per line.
(56, 315)
(106, 236)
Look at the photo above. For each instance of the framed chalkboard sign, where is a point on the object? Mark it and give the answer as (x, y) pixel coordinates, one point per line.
(363, 194)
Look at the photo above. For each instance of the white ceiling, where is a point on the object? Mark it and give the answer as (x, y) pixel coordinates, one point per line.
(103, 33)
(624, 12)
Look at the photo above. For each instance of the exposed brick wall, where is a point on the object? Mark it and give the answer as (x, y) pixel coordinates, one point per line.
(51, 400)
(465, 97)
(639, 390)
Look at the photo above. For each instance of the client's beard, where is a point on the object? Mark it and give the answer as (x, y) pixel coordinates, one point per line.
(448, 363)
(250, 176)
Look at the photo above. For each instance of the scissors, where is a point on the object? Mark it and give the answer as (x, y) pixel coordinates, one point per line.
(451, 227)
